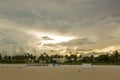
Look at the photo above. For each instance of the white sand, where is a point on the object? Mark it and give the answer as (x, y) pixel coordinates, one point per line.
(74, 72)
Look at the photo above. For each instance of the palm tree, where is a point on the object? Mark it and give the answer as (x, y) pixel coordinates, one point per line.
(43, 58)
(0, 58)
(116, 56)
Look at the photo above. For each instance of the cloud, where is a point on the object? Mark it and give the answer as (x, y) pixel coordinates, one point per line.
(12, 36)
(74, 43)
(96, 20)
(77, 42)
(47, 38)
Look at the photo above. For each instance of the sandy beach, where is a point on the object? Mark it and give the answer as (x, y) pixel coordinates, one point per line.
(64, 72)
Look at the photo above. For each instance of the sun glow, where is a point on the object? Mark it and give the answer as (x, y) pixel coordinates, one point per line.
(108, 49)
(53, 38)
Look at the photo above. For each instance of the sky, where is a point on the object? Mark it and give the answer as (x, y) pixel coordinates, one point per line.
(60, 24)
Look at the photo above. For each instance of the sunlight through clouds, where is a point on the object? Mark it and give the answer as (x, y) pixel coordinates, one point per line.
(84, 24)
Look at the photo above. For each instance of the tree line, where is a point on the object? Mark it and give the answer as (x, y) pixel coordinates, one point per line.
(113, 59)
